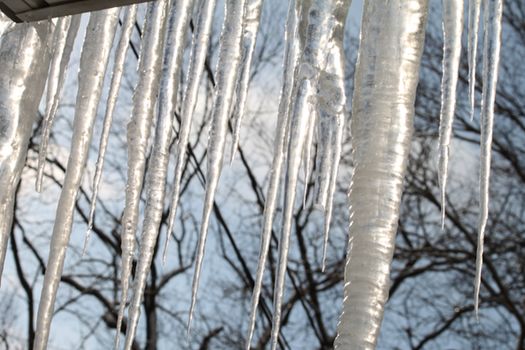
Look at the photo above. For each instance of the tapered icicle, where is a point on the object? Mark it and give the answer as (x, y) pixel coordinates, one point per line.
(199, 50)
(251, 27)
(323, 160)
(93, 62)
(386, 78)
(307, 152)
(144, 99)
(227, 71)
(298, 130)
(452, 29)
(23, 53)
(331, 105)
(290, 59)
(492, 13)
(64, 37)
(120, 55)
(130, 14)
(474, 9)
(320, 22)
(158, 165)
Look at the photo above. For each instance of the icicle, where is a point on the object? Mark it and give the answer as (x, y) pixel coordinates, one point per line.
(290, 60)
(386, 78)
(299, 129)
(63, 40)
(23, 53)
(118, 68)
(144, 99)
(158, 166)
(93, 61)
(493, 10)
(251, 27)
(332, 102)
(307, 152)
(452, 29)
(474, 7)
(320, 25)
(5, 25)
(199, 50)
(323, 160)
(227, 69)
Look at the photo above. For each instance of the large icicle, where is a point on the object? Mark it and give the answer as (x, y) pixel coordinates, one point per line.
(452, 29)
(227, 71)
(95, 54)
(321, 21)
(144, 99)
(128, 24)
(251, 27)
(199, 50)
(63, 39)
(290, 59)
(23, 53)
(158, 165)
(386, 77)
(493, 10)
(474, 9)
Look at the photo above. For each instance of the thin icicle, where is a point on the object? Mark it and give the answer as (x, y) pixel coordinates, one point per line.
(493, 10)
(251, 27)
(64, 37)
(474, 9)
(23, 53)
(285, 103)
(118, 69)
(332, 102)
(144, 99)
(386, 78)
(452, 29)
(299, 130)
(307, 152)
(158, 166)
(227, 71)
(199, 50)
(323, 160)
(93, 62)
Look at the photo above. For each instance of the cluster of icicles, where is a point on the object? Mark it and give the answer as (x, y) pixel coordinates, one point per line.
(311, 109)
